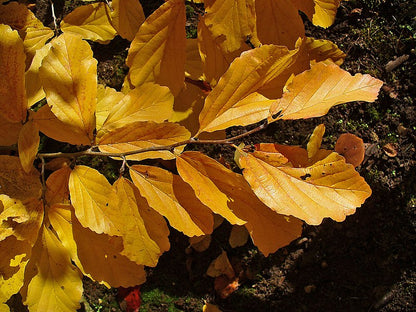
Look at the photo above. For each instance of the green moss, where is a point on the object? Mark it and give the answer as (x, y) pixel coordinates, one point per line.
(156, 298)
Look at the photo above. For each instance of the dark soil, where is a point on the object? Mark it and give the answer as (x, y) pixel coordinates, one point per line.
(366, 263)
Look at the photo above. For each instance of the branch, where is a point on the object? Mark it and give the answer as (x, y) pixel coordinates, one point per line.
(92, 152)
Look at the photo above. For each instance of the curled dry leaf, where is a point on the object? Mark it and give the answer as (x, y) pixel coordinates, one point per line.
(351, 147)
(390, 149)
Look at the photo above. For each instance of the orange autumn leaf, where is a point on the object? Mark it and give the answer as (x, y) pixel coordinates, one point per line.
(321, 50)
(9, 131)
(351, 147)
(221, 266)
(126, 18)
(314, 143)
(28, 144)
(238, 236)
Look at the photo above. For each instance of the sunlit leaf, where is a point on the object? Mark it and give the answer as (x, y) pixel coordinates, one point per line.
(13, 103)
(149, 102)
(94, 200)
(278, 22)
(57, 191)
(194, 168)
(127, 17)
(172, 198)
(320, 12)
(315, 140)
(91, 21)
(141, 134)
(106, 98)
(232, 23)
(313, 92)
(208, 307)
(56, 284)
(72, 97)
(157, 53)
(28, 144)
(248, 73)
(321, 50)
(351, 147)
(328, 188)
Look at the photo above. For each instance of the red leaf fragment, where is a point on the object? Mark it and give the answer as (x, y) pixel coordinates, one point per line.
(131, 296)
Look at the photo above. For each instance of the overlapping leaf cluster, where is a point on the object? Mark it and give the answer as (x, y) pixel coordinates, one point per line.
(250, 62)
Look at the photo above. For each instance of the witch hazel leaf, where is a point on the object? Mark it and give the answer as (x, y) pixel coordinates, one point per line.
(91, 21)
(351, 147)
(106, 99)
(320, 12)
(328, 188)
(157, 53)
(28, 144)
(320, 50)
(72, 98)
(127, 16)
(315, 140)
(9, 131)
(169, 195)
(313, 92)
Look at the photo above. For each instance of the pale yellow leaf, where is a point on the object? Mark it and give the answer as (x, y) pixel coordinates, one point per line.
(106, 98)
(56, 284)
(73, 96)
(193, 64)
(12, 211)
(34, 90)
(238, 236)
(15, 182)
(320, 12)
(157, 53)
(247, 74)
(141, 135)
(313, 92)
(9, 131)
(138, 246)
(13, 103)
(232, 23)
(328, 188)
(221, 266)
(100, 257)
(54, 128)
(91, 21)
(127, 16)
(149, 102)
(278, 22)
(194, 168)
(315, 140)
(172, 198)
(320, 50)
(94, 200)
(28, 144)
(208, 307)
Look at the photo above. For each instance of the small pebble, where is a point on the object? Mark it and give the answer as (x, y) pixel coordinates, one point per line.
(310, 288)
(324, 264)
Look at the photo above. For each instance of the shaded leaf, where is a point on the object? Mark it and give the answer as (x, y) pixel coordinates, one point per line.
(157, 53)
(28, 144)
(321, 50)
(328, 188)
(72, 97)
(91, 21)
(9, 131)
(57, 191)
(313, 92)
(200, 243)
(351, 147)
(141, 134)
(238, 236)
(193, 64)
(315, 140)
(13, 103)
(172, 198)
(221, 266)
(127, 17)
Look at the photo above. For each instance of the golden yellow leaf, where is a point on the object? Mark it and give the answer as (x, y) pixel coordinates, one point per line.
(12, 211)
(13, 102)
(57, 191)
(215, 61)
(56, 284)
(142, 134)
(232, 23)
(34, 90)
(94, 200)
(127, 17)
(194, 168)
(200, 243)
(91, 21)
(28, 144)
(320, 12)
(72, 97)
(9, 131)
(208, 307)
(54, 128)
(351, 147)
(315, 140)
(172, 198)
(15, 182)
(149, 102)
(238, 236)
(321, 50)
(31, 30)
(260, 66)
(157, 53)
(313, 92)
(193, 64)
(138, 246)
(100, 257)
(14, 255)
(328, 188)
(106, 98)
(278, 22)
(221, 266)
